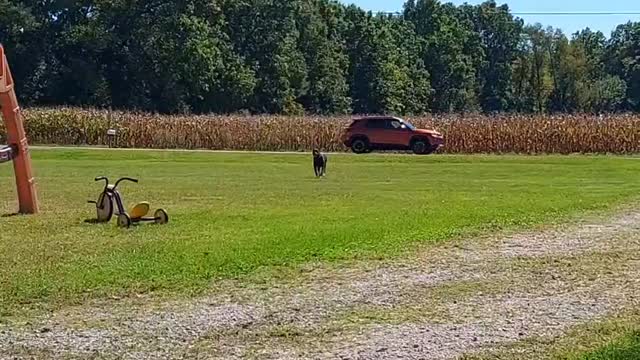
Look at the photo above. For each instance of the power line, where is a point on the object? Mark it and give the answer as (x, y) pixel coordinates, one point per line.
(549, 13)
(568, 13)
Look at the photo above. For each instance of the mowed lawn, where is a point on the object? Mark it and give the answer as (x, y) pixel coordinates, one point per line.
(625, 348)
(234, 214)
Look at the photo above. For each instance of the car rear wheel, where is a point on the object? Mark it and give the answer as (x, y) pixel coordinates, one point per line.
(360, 146)
(420, 147)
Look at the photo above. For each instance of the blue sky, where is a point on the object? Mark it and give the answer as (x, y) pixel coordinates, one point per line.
(569, 24)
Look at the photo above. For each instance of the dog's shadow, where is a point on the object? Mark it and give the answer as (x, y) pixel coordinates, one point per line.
(10, 215)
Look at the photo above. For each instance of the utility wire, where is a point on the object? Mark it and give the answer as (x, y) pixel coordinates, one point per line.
(551, 13)
(568, 13)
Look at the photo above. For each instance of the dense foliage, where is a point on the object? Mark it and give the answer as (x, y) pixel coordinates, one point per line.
(313, 56)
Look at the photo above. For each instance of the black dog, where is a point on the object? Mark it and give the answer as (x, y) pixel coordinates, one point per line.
(319, 163)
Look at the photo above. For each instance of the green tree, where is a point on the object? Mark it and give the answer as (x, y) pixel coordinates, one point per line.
(451, 54)
(387, 74)
(606, 94)
(500, 35)
(593, 44)
(540, 79)
(624, 60)
(317, 56)
(418, 91)
(24, 34)
(325, 57)
(265, 33)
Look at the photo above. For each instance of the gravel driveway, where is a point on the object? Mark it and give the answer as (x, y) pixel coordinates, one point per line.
(440, 303)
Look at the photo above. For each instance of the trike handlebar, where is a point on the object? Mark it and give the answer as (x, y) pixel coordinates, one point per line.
(125, 179)
(106, 180)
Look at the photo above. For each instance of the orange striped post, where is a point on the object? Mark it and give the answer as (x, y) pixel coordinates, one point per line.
(17, 140)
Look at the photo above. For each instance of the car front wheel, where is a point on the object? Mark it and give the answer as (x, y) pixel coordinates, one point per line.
(420, 147)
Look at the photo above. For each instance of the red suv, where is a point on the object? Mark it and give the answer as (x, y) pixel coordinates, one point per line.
(390, 133)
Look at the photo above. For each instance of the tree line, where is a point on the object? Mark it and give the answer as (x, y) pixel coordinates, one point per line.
(311, 56)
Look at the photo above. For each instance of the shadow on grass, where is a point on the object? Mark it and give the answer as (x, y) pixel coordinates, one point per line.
(10, 215)
(93, 221)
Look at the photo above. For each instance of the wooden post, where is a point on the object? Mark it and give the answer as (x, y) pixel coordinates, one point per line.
(17, 138)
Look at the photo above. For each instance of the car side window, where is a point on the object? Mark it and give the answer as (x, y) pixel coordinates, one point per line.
(376, 124)
(395, 125)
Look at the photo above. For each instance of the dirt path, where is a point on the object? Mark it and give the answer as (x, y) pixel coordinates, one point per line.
(444, 302)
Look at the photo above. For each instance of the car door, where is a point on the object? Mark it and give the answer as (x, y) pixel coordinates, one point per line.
(396, 133)
(376, 129)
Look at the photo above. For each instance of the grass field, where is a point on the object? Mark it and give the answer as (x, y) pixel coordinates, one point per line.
(232, 214)
(625, 348)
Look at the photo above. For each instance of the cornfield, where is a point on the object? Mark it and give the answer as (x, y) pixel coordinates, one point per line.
(522, 134)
